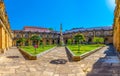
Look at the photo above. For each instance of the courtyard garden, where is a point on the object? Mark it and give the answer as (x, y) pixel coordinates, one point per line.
(37, 47)
(34, 51)
(83, 48)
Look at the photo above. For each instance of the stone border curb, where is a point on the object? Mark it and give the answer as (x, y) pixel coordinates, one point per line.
(39, 55)
(32, 57)
(73, 57)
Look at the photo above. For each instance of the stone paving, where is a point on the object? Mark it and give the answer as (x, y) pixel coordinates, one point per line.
(55, 63)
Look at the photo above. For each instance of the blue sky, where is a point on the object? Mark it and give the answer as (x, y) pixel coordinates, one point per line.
(50, 13)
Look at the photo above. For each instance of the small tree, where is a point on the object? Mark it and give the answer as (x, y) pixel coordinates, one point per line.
(51, 29)
(18, 42)
(98, 40)
(21, 41)
(69, 42)
(36, 39)
(79, 38)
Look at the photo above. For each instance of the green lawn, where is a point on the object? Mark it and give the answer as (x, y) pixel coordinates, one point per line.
(83, 48)
(40, 49)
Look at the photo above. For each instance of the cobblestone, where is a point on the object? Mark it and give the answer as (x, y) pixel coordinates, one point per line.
(55, 63)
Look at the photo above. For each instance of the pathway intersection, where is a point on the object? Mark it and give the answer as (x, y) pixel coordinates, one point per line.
(55, 63)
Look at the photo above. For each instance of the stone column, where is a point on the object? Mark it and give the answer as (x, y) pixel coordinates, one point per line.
(0, 39)
(6, 40)
(44, 41)
(50, 41)
(3, 40)
(30, 42)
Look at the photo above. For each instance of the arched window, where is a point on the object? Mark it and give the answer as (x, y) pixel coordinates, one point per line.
(18, 35)
(47, 36)
(52, 36)
(106, 33)
(98, 33)
(90, 34)
(40, 35)
(26, 35)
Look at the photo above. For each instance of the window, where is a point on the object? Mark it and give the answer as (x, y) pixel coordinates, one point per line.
(40, 35)
(106, 33)
(98, 33)
(18, 36)
(26, 35)
(90, 33)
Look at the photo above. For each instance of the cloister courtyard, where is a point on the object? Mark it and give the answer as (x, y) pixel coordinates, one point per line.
(44, 51)
(104, 62)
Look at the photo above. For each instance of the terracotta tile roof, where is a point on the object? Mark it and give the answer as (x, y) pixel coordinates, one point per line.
(89, 29)
(36, 29)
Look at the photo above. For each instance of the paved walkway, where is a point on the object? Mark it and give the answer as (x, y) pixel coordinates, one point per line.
(108, 63)
(55, 63)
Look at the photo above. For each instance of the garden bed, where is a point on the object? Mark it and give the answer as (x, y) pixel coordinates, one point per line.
(75, 57)
(31, 56)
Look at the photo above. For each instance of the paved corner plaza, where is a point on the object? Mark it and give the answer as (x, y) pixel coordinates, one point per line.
(55, 63)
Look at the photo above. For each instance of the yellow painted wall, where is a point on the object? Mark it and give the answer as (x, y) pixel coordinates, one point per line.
(5, 32)
(0, 38)
(3, 39)
(116, 37)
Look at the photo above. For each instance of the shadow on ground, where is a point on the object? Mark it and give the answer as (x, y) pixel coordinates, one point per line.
(58, 61)
(12, 56)
(109, 65)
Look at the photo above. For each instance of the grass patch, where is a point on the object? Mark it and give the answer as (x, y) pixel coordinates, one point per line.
(83, 48)
(40, 49)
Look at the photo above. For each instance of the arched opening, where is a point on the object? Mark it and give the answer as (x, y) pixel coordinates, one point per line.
(26, 43)
(106, 41)
(66, 41)
(89, 40)
(58, 41)
(17, 43)
(75, 42)
(53, 41)
(47, 42)
(41, 42)
(34, 42)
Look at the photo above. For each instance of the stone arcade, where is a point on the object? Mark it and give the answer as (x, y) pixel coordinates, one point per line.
(5, 31)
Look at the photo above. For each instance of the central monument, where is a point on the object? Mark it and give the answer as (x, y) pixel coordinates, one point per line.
(61, 36)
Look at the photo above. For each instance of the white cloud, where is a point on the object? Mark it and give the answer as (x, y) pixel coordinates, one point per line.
(111, 4)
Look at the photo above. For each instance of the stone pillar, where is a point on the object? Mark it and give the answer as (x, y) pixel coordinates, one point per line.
(0, 39)
(15, 42)
(6, 40)
(44, 41)
(50, 41)
(30, 42)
